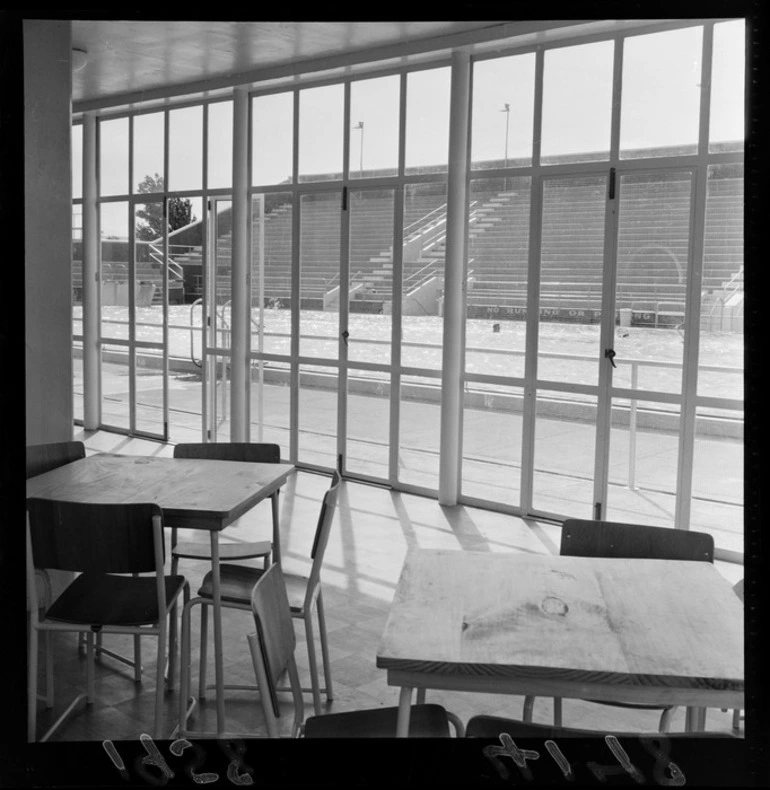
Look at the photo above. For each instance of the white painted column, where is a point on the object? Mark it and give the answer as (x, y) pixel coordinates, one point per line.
(454, 282)
(241, 282)
(92, 401)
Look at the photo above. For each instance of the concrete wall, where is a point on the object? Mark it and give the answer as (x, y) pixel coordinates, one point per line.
(47, 230)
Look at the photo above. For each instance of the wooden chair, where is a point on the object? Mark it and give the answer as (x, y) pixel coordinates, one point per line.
(272, 651)
(100, 542)
(43, 458)
(494, 726)
(228, 551)
(237, 583)
(737, 714)
(228, 451)
(581, 538)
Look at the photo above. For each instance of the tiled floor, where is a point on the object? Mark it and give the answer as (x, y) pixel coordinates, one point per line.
(373, 528)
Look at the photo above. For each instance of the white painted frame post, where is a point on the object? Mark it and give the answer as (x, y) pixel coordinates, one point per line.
(92, 402)
(454, 282)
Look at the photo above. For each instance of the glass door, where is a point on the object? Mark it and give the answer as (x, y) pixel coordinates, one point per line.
(320, 292)
(641, 406)
(217, 321)
(569, 315)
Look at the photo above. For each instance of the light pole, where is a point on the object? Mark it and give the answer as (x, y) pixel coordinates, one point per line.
(360, 125)
(507, 110)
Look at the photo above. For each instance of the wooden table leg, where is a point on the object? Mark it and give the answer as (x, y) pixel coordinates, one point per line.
(216, 602)
(276, 529)
(404, 711)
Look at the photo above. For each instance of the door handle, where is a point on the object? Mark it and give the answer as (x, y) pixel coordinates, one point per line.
(609, 353)
(345, 336)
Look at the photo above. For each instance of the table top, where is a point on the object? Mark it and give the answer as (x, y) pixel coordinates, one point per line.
(595, 621)
(201, 493)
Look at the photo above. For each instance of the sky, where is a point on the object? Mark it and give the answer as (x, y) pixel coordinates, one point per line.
(660, 102)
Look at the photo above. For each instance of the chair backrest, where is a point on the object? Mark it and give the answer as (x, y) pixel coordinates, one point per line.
(83, 537)
(323, 528)
(581, 538)
(42, 458)
(273, 652)
(258, 453)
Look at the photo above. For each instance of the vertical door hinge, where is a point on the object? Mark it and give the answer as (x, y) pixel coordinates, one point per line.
(612, 184)
(597, 511)
(344, 198)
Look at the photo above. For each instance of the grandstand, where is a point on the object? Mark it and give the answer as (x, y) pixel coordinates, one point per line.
(652, 250)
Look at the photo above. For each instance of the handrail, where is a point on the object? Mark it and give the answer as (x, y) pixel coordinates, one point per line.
(192, 345)
(157, 255)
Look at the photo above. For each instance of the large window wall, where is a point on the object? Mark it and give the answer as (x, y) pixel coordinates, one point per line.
(604, 214)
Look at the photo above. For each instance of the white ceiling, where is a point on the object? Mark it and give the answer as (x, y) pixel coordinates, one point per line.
(126, 58)
(132, 62)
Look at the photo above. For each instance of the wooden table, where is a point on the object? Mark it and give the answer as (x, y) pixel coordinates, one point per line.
(646, 631)
(193, 493)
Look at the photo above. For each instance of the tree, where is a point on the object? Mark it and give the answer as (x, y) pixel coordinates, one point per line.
(179, 211)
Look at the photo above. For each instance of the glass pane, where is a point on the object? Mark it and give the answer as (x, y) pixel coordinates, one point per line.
(653, 250)
(113, 157)
(565, 443)
(77, 161)
(149, 390)
(220, 285)
(148, 152)
(420, 432)
(319, 256)
(503, 111)
(571, 271)
(218, 399)
(318, 416)
(371, 275)
(270, 403)
(728, 73)
(720, 361)
(185, 368)
(320, 133)
(220, 145)
(148, 272)
(374, 111)
(185, 244)
(114, 270)
(427, 120)
(271, 245)
(717, 480)
(498, 250)
(185, 167)
(661, 94)
(368, 423)
(272, 133)
(492, 429)
(77, 269)
(423, 277)
(115, 388)
(77, 381)
(644, 454)
(577, 103)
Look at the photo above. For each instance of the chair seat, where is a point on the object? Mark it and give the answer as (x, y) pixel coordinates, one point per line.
(425, 721)
(237, 583)
(106, 599)
(227, 551)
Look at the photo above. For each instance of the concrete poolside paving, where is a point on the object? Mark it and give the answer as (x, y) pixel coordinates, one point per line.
(564, 449)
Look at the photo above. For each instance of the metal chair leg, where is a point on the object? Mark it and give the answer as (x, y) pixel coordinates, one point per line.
(324, 648)
(529, 704)
(312, 662)
(204, 645)
(32, 685)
